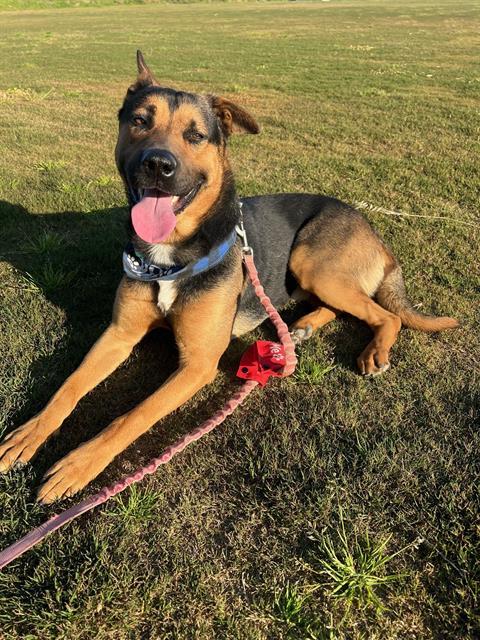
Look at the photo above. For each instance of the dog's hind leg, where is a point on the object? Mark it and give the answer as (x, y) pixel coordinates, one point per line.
(303, 328)
(135, 313)
(385, 325)
(342, 285)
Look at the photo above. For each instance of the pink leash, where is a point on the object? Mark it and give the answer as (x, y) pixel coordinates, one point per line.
(27, 542)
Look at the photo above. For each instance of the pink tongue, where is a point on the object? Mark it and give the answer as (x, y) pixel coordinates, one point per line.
(153, 218)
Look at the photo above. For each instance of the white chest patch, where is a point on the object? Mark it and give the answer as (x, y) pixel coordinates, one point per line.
(167, 291)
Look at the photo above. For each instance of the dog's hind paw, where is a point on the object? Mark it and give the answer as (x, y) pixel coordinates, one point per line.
(373, 360)
(300, 334)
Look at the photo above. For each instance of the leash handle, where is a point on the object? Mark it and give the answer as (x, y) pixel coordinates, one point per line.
(37, 535)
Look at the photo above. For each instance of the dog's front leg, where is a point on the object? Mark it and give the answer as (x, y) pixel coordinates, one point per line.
(134, 314)
(203, 331)
(77, 469)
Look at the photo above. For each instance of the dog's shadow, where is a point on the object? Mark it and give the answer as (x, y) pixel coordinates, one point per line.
(73, 260)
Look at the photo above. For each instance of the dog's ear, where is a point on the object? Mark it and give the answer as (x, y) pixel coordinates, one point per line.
(145, 77)
(233, 117)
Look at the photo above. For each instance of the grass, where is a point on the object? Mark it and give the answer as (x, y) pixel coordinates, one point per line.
(373, 102)
(16, 5)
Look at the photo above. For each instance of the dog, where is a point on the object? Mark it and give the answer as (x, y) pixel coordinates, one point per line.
(184, 270)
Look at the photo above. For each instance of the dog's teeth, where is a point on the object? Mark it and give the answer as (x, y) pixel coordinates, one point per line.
(175, 199)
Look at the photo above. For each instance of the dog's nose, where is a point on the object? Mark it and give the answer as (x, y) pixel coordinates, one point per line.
(160, 161)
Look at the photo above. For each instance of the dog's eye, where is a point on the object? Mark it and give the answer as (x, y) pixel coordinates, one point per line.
(195, 137)
(139, 121)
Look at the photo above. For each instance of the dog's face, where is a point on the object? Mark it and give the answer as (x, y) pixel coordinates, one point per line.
(172, 145)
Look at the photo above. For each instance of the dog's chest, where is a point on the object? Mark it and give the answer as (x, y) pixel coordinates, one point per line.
(167, 290)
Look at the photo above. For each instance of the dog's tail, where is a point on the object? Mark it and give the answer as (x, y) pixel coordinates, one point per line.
(392, 296)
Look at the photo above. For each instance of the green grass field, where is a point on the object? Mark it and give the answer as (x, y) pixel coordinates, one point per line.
(328, 506)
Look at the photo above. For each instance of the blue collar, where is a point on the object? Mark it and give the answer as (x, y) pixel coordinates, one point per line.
(138, 268)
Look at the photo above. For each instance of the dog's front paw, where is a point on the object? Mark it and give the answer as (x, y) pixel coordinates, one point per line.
(72, 473)
(20, 445)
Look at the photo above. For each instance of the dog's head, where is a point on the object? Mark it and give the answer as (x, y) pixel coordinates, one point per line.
(171, 153)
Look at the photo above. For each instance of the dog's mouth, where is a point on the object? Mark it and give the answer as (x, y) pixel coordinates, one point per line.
(178, 202)
(154, 216)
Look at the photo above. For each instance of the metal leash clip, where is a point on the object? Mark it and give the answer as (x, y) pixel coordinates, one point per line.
(240, 229)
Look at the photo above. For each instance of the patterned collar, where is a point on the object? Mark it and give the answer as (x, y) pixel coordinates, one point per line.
(138, 268)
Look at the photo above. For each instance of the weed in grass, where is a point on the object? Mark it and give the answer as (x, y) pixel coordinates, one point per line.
(71, 188)
(27, 283)
(51, 278)
(291, 607)
(14, 93)
(355, 567)
(104, 181)
(311, 371)
(49, 166)
(28, 94)
(289, 604)
(46, 243)
(138, 505)
(9, 183)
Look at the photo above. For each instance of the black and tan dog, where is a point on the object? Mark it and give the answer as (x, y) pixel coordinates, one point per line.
(171, 154)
